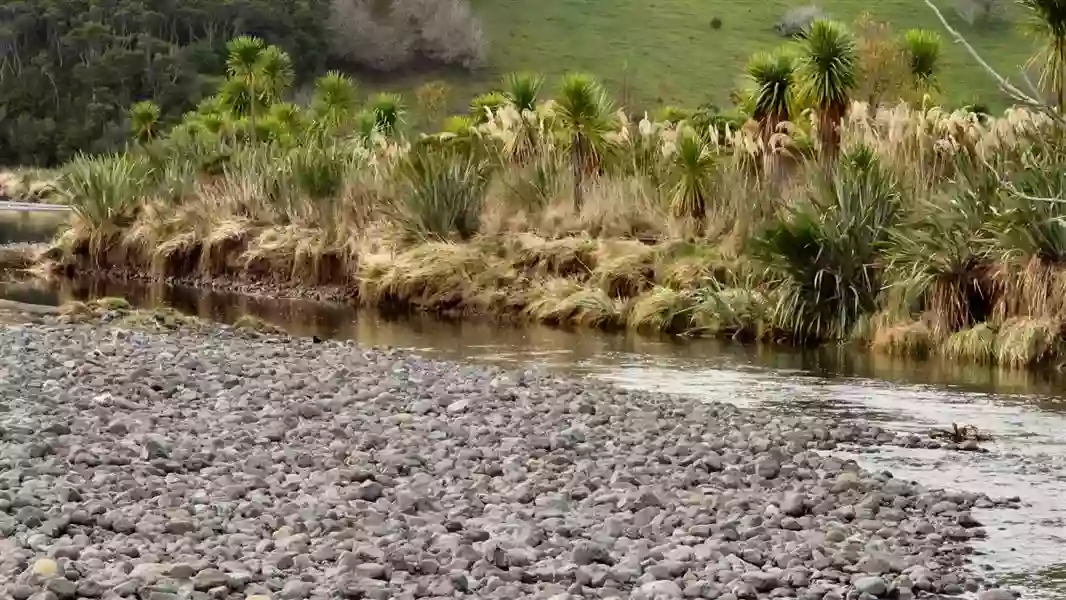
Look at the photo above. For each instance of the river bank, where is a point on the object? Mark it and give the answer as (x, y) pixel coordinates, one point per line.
(1008, 314)
(581, 488)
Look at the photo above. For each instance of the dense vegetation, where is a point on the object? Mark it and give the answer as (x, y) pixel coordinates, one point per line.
(69, 70)
(823, 217)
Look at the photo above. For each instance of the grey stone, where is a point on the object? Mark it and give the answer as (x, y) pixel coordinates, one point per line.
(370, 491)
(586, 553)
(767, 468)
(793, 504)
(660, 590)
(210, 578)
(875, 586)
(63, 589)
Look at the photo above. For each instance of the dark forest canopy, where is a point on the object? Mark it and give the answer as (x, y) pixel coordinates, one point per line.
(70, 69)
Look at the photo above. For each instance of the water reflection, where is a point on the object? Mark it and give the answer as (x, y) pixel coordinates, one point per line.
(29, 227)
(1024, 412)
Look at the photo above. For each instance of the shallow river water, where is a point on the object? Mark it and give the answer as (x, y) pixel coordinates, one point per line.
(1024, 413)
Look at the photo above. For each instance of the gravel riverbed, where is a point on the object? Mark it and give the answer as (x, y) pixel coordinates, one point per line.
(223, 464)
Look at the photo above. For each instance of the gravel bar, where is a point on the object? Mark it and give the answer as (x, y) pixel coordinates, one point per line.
(218, 464)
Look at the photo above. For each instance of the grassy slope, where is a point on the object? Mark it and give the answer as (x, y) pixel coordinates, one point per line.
(668, 52)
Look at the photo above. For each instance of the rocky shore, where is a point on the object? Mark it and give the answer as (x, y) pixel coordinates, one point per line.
(223, 464)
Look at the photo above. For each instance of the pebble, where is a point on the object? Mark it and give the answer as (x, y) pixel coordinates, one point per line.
(220, 464)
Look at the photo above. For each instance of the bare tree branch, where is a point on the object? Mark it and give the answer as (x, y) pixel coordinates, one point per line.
(1011, 189)
(1007, 86)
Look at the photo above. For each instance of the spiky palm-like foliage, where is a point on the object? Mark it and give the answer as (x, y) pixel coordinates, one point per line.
(937, 261)
(523, 90)
(283, 122)
(693, 170)
(258, 75)
(1028, 228)
(276, 74)
(1047, 23)
(774, 77)
(335, 100)
(483, 106)
(365, 124)
(828, 73)
(242, 70)
(440, 194)
(922, 49)
(319, 169)
(104, 194)
(389, 112)
(144, 120)
(827, 250)
(585, 115)
(104, 190)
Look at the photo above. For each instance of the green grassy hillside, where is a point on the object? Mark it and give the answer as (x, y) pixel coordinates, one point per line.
(666, 51)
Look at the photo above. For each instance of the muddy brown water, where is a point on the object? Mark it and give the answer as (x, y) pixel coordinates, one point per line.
(1025, 413)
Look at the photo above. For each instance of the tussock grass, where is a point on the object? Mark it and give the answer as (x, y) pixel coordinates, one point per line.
(913, 237)
(111, 303)
(661, 309)
(1033, 289)
(976, 344)
(559, 258)
(732, 312)
(909, 338)
(1025, 342)
(564, 301)
(77, 311)
(624, 268)
(163, 318)
(225, 240)
(436, 276)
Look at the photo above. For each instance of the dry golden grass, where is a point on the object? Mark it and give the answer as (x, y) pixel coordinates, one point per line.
(435, 276)
(904, 338)
(1025, 342)
(624, 268)
(976, 344)
(660, 309)
(562, 301)
(1036, 289)
(560, 258)
(621, 260)
(732, 312)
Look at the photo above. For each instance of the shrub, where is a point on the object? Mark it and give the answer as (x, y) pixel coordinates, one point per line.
(716, 23)
(105, 190)
(798, 20)
(827, 249)
(391, 36)
(440, 193)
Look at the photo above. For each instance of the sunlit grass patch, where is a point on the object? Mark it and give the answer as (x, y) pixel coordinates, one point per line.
(560, 258)
(975, 344)
(904, 338)
(731, 312)
(660, 309)
(433, 276)
(561, 301)
(1025, 342)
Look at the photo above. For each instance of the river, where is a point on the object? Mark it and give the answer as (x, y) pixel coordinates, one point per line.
(1025, 413)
